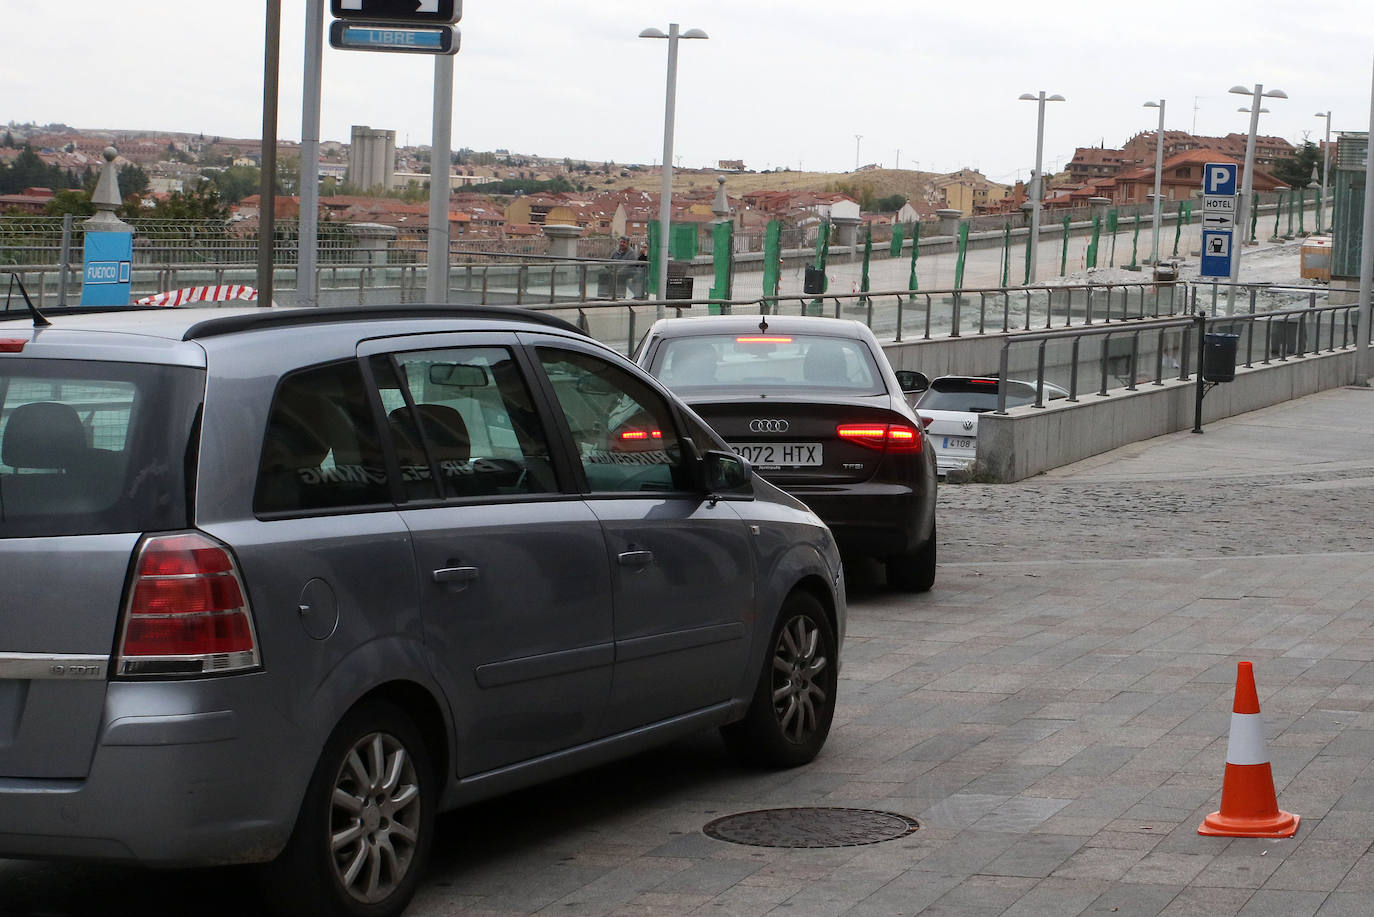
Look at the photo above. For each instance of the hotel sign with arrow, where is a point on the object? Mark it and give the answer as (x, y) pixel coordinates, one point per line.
(414, 26)
(1218, 219)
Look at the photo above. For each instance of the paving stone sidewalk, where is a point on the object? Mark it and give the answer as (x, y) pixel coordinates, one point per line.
(1054, 715)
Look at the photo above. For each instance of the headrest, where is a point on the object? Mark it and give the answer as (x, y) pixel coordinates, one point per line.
(44, 434)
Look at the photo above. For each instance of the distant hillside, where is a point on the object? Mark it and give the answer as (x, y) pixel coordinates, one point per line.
(878, 182)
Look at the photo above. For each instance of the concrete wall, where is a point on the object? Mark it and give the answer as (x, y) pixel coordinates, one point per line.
(1027, 441)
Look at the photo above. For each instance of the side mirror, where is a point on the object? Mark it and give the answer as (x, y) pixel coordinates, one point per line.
(912, 381)
(726, 473)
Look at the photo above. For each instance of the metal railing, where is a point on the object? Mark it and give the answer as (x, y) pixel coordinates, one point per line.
(1154, 351)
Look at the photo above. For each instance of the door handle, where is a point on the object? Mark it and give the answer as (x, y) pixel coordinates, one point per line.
(636, 558)
(455, 574)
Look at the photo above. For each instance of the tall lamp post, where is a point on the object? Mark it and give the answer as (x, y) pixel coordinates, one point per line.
(1159, 173)
(1038, 184)
(1247, 203)
(1326, 160)
(1246, 199)
(665, 202)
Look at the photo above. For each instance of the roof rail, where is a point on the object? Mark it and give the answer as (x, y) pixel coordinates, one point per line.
(276, 318)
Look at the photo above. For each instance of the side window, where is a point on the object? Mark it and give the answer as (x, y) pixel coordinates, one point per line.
(466, 414)
(321, 449)
(622, 429)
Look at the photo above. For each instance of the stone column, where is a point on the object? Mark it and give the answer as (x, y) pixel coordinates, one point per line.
(949, 221)
(562, 239)
(109, 243)
(847, 231)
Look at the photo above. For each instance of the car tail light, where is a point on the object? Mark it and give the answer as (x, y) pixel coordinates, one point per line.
(12, 345)
(762, 339)
(187, 613)
(890, 437)
(639, 436)
(926, 421)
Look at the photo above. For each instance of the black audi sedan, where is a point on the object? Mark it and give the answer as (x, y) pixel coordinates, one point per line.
(816, 408)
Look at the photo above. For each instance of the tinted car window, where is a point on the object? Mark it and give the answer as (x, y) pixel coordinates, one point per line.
(975, 397)
(767, 360)
(622, 429)
(321, 449)
(94, 448)
(468, 413)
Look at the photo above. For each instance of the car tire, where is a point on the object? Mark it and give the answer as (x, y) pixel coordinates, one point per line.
(914, 572)
(363, 857)
(794, 699)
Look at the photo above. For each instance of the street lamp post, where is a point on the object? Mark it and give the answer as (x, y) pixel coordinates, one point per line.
(1247, 202)
(1326, 159)
(665, 202)
(1159, 172)
(1038, 184)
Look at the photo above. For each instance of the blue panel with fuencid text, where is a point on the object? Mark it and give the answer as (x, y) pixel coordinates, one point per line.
(1219, 178)
(108, 261)
(1216, 254)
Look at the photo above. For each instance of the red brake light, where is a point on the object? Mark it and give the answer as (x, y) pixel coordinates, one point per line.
(12, 345)
(187, 614)
(640, 435)
(892, 437)
(762, 339)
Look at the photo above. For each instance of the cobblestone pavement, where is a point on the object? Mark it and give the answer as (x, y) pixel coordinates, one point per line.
(1054, 715)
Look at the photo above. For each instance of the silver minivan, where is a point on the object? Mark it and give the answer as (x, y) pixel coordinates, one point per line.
(282, 584)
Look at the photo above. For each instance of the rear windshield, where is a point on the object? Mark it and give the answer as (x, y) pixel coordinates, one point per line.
(94, 448)
(974, 395)
(767, 360)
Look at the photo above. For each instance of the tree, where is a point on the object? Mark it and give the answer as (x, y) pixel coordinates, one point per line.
(76, 202)
(235, 183)
(132, 180)
(890, 204)
(202, 203)
(1296, 171)
(8, 142)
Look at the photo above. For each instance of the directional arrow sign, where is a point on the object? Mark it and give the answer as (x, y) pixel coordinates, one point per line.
(1218, 221)
(426, 12)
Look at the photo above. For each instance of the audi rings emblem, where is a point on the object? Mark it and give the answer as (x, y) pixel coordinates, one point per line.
(767, 426)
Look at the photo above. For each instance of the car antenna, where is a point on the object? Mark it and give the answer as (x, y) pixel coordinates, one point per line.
(763, 324)
(38, 320)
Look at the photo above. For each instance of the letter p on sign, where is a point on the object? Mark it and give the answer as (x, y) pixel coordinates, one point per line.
(1219, 178)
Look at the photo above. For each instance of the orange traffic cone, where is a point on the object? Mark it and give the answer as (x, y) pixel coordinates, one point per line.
(1249, 807)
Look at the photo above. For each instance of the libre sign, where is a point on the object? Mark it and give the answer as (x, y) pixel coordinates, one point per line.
(414, 26)
(381, 36)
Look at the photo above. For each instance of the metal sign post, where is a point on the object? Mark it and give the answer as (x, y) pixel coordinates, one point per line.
(416, 27)
(1218, 224)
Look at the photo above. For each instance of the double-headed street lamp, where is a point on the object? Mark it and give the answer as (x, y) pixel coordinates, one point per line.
(1246, 201)
(1038, 183)
(1159, 172)
(665, 203)
(1326, 159)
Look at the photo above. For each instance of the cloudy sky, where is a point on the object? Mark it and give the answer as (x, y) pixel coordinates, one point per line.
(929, 85)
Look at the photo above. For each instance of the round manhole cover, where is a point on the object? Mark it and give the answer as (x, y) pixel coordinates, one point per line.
(811, 827)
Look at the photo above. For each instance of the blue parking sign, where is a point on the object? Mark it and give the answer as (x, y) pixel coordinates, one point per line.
(1219, 178)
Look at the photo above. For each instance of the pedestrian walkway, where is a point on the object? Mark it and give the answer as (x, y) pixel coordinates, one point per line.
(1054, 715)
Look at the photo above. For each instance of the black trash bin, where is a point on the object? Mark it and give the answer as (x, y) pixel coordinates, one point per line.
(1219, 356)
(814, 281)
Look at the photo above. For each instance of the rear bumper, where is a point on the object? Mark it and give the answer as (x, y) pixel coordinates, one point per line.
(873, 520)
(165, 790)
